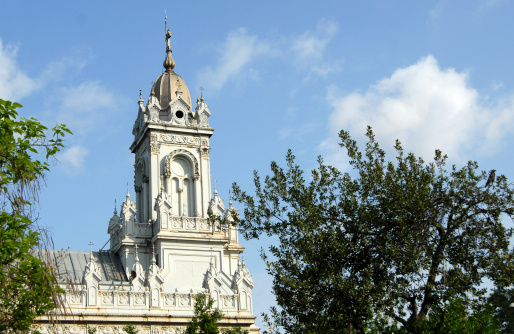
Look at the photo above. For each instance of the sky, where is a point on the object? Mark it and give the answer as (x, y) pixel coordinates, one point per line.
(277, 75)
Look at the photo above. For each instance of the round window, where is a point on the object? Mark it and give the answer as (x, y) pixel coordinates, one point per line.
(179, 114)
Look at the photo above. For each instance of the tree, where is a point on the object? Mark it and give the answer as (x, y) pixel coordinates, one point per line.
(455, 316)
(398, 238)
(130, 329)
(27, 283)
(501, 298)
(205, 319)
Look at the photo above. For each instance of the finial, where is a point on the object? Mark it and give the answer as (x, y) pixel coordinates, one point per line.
(243, 262)
(91, 245)
(140, 95)
(153, 254)
(128, 194)
(229, 198)
(201, 93)
(169, 63)
(178, 84)
(211, 264)
(115, 212)
(162, 183)
(215, 190)
(137, 257)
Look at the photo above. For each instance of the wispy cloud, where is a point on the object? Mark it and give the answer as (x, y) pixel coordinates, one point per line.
(15, 84)
(437, 10)
(311, 45)
(234, 59)
(309, 50)
(426, 107)
(299, 131)
(84, 107)
(72, 160)
(305, 53)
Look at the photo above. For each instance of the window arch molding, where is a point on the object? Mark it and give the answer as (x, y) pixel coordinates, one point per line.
(181, 152)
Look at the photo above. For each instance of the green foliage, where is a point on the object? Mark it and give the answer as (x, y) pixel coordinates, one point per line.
(205, 319)
(501, 299)
(397, 238)
(26, 282)
(130, 329)
(453, 317)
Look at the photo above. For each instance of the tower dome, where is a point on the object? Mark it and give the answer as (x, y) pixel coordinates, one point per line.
(168, 84)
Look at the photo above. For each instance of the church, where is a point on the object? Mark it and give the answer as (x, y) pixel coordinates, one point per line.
(162, 249)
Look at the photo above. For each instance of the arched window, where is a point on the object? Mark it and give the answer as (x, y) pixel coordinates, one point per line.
(181, 169)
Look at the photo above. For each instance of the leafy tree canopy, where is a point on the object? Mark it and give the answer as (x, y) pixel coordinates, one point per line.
(398, 238)
(27, 284)
(501, 299)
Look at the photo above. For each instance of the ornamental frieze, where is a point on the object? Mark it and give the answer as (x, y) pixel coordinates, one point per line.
(184, 140)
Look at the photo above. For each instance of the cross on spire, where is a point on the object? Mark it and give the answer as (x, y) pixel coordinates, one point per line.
(91, 245)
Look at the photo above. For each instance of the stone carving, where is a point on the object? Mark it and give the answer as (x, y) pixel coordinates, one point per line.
(155, 147)
(177, 222)
(169, 299)
(75, 297)
(188, 154)
(190, 223)
(204, 225)
(145, 179)
(138, 189)
(183, 300)
(139, 299)
(176, 139)
(123, 298)
(227, 301)
(107, 298)
(205, 151)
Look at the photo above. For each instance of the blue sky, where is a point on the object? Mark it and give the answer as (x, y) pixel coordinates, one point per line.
(276, 74)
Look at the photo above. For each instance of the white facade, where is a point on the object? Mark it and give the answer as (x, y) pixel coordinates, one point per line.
(163, 250)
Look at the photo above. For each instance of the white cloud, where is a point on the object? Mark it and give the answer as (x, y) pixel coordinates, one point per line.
(424, 106)
(72, 159)
(14, 83)
(84, 107)
(239, 49)
(309, 50)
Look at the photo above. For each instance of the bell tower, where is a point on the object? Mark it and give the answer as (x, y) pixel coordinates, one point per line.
(166, 232)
